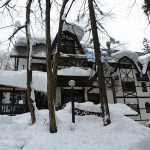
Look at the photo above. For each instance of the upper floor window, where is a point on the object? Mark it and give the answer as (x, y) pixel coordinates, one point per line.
(128, 86)
(144, 87)
(147, 106)
(68, 46)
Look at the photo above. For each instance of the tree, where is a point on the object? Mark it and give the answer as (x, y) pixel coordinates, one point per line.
(52, 71)
(30, 98)
(146, 8)
(50, 100)
(146, 45)
(101, 79)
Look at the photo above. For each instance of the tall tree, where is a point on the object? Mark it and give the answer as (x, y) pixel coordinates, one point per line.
(29, 62)
(101, 79)
(50, 97)
(52, 75)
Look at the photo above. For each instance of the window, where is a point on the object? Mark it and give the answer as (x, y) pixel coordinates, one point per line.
(134, 107)
(147, 106)
(39, 67)
(128, 86)
(68, 46)
(144, 88)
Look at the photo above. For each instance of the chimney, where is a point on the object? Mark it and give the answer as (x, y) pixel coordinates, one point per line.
(108, 48)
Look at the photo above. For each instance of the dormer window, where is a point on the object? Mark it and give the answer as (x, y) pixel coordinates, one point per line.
(68, 46)
(144, 87)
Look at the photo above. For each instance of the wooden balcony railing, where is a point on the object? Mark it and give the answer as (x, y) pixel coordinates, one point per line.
(13, 109)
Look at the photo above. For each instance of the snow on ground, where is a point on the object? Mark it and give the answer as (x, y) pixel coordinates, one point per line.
(18, 78)
(119, 108)
(88, 133)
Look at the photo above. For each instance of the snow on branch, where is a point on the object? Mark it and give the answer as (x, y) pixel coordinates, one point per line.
(16, 31)
(5, 4)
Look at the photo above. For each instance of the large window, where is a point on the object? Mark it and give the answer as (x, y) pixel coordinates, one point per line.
(147, 106)
(128, 86)
(13, 97)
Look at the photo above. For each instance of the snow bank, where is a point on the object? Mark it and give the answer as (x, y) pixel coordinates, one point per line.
(88, 133)
(18, 78)
(144, 60)
(118, 108)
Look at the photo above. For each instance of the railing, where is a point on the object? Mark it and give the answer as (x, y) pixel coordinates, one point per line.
(13, 109)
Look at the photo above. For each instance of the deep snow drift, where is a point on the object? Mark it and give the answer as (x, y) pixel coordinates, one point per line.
(88, 133)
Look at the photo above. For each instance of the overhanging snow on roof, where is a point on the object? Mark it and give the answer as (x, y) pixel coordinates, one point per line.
(19, 78)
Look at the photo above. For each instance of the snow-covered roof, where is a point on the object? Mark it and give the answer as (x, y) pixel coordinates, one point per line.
(39, 51)
(132, 55)
(73, 28)
(144, 60)
(137, 58)
(90, 54)
(19, 78)
(22, 41)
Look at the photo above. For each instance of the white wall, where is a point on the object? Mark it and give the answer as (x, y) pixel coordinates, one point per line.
(22, 64)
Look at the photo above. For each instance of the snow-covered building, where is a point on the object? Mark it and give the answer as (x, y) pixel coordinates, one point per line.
(127, 76)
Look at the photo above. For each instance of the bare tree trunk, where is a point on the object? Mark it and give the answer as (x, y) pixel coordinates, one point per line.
(58, 47)
(29, 62)
(101, 79)
(50, 97)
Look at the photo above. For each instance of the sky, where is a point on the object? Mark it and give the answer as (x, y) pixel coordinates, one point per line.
(127, 24)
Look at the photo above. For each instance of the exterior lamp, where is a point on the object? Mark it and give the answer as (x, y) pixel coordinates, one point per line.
(72, 84)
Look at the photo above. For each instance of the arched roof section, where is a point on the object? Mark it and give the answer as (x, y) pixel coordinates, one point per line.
(128, 60)
(73, 36)
(127, 56)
